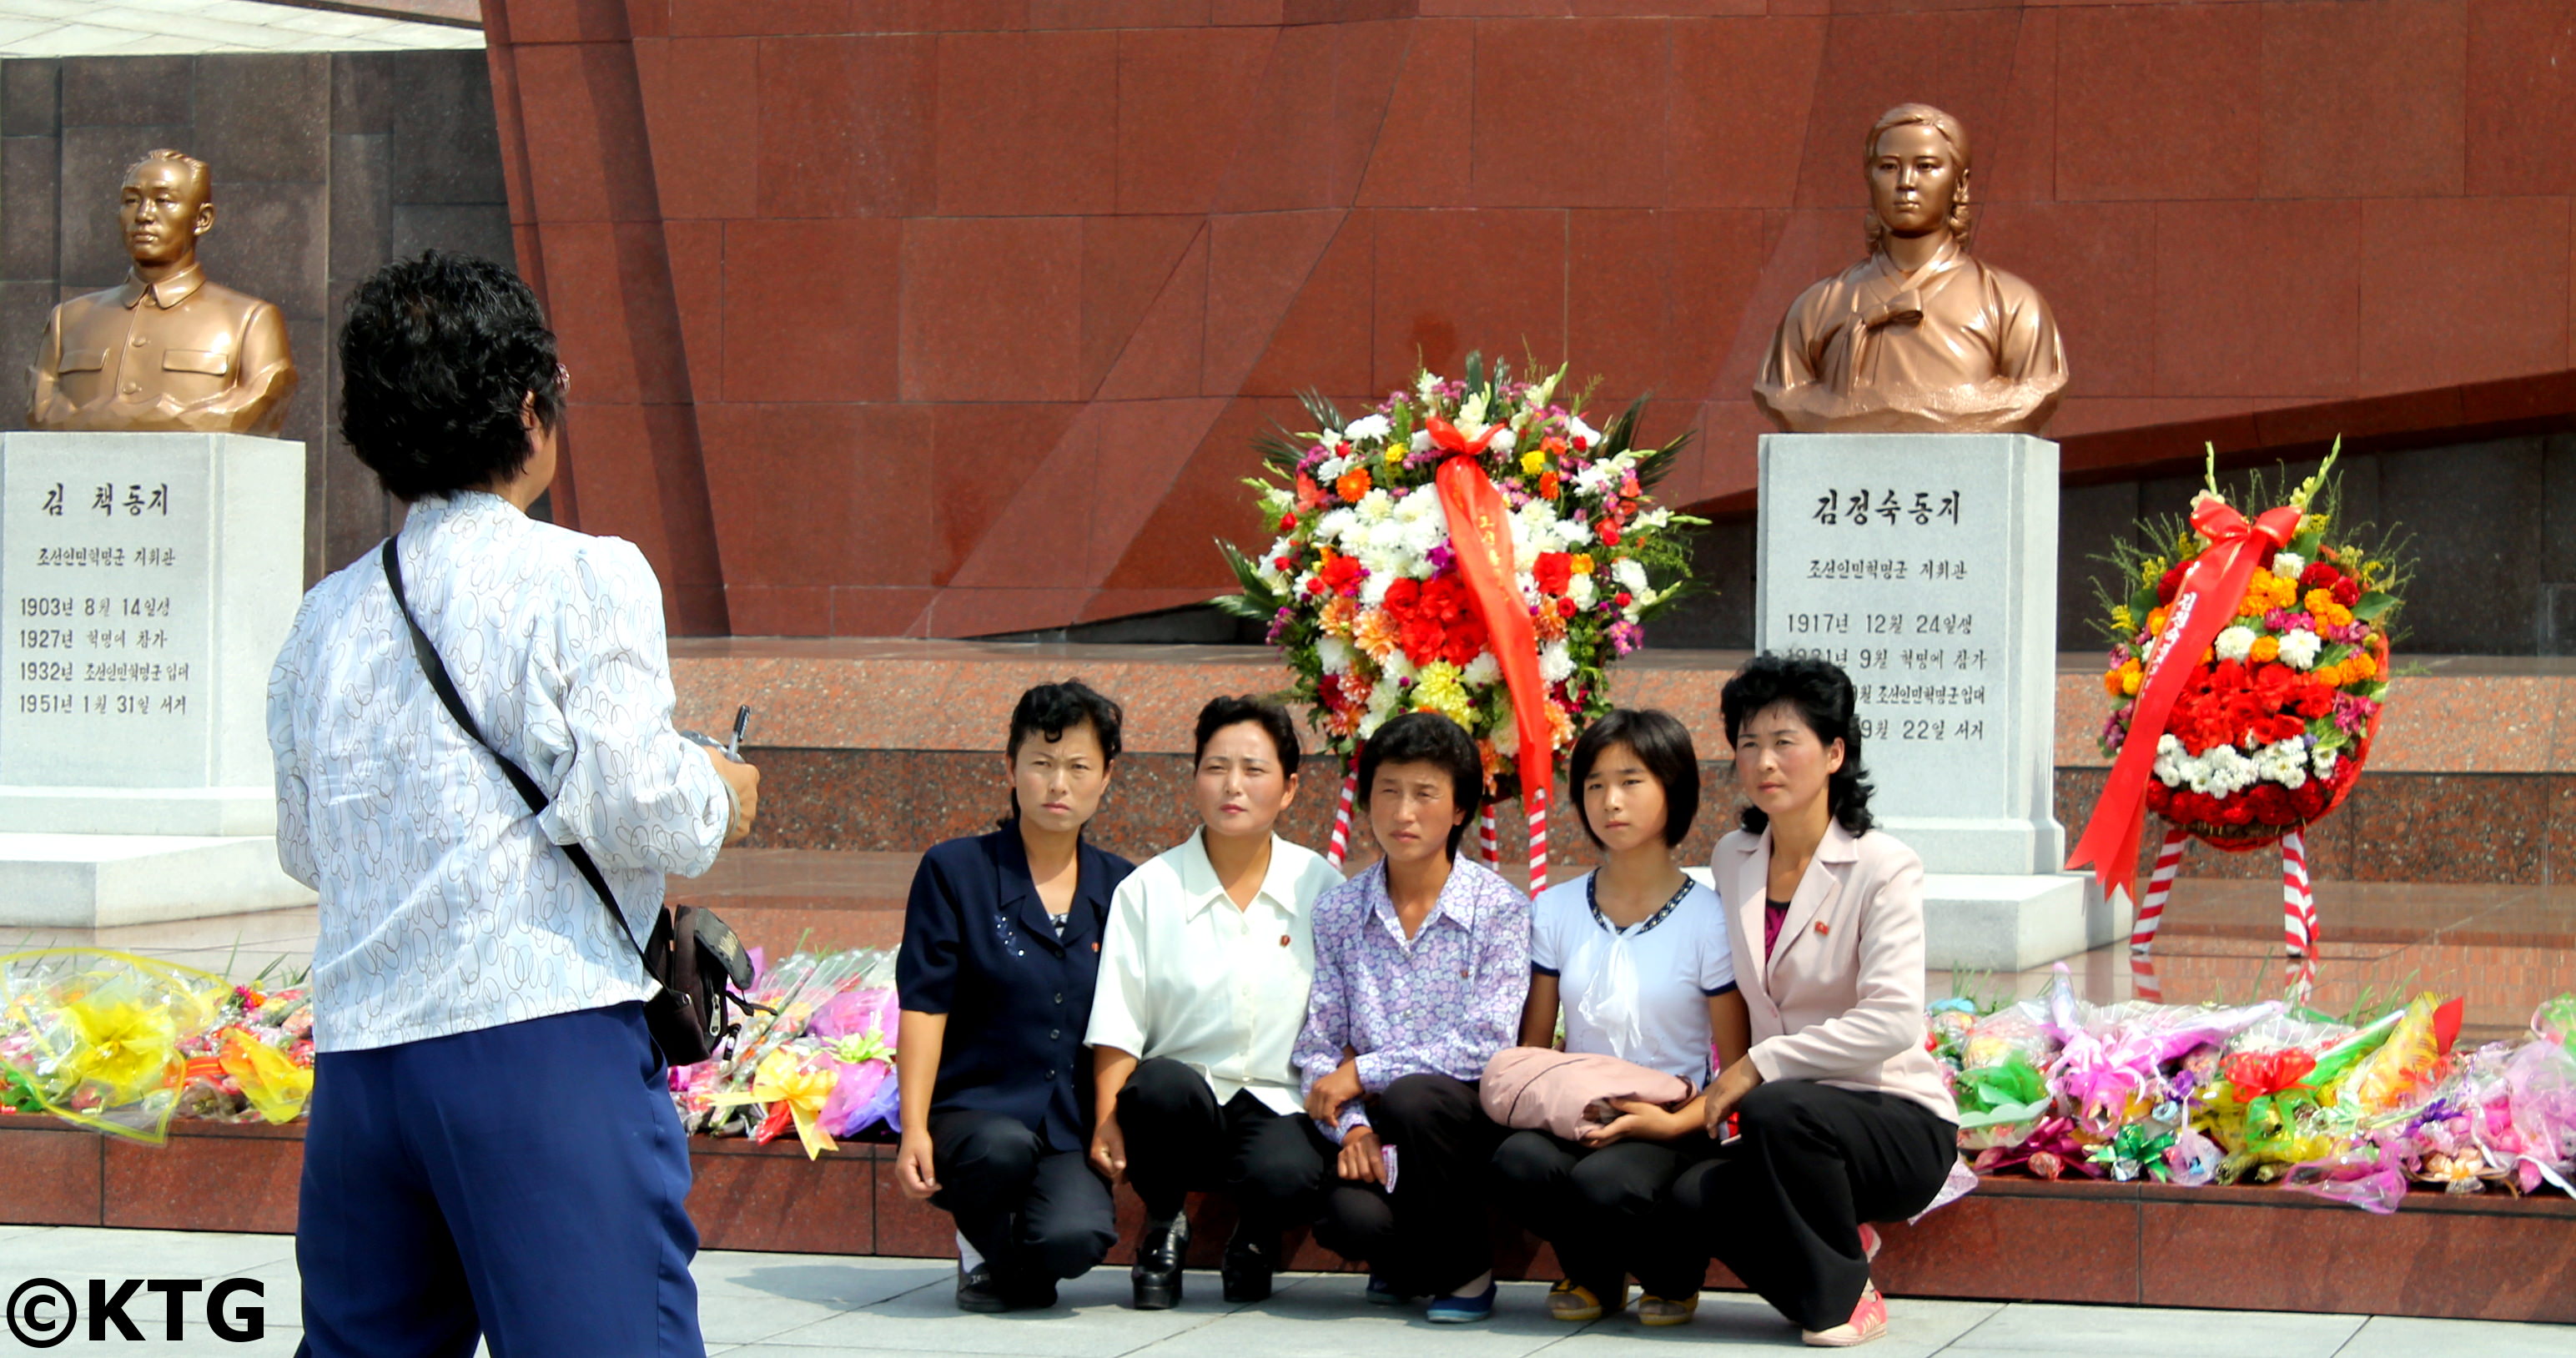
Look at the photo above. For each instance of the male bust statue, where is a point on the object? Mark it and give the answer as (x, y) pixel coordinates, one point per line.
(165, 349)
(1920, 337)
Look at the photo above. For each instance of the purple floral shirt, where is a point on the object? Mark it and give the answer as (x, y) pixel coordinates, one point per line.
(1442, 1002)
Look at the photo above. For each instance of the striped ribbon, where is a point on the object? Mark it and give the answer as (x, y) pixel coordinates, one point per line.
(1340, 848)
(2298, 899)
(2142, 978)
(2151, 911)
(1489, 844)
(1538, 844)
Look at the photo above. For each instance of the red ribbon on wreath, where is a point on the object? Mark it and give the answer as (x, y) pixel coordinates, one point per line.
(1480, 534)
(2202, 608)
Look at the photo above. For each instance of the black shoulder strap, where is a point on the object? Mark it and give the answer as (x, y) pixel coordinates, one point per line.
(529, 792)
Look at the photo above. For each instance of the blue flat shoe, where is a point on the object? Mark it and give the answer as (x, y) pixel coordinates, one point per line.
(1382, 1293)
(1463, 1310)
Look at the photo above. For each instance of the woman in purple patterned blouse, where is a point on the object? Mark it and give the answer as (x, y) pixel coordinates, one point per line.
(1421, 966)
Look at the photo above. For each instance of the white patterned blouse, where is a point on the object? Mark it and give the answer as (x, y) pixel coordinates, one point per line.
(446, 906)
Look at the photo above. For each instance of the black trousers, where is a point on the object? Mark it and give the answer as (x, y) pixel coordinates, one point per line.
(1032, 1210)
(1428, 1236)
(1604, 1209)
(1782, 1205)
(1272, 1164)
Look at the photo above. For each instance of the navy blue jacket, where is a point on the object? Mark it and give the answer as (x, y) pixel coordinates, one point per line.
(978, 946)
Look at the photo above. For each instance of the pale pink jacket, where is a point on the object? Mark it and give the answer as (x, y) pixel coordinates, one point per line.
(1841, 1001)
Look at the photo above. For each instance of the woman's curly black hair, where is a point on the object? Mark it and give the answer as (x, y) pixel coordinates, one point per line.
(1046, 711)
(438, 355)
(1822, 696)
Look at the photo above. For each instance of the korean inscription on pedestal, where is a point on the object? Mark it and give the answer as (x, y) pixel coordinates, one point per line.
(105, 674)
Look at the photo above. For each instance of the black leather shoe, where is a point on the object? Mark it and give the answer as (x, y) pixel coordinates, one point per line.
(1159, 1257)
(1250, 1258)
(987, 1293)
(978, 1292)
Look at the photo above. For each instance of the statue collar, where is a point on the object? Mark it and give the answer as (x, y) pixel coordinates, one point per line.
(1947, 257)
(167, 293)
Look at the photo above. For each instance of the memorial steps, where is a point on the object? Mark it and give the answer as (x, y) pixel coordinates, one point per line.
(2453, 867)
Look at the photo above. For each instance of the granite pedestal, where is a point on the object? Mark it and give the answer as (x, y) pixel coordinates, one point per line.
(1925, 565)
(148, 581)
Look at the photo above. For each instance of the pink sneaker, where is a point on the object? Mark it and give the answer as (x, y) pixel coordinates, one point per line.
(1868, 1322)
(1868, 1241)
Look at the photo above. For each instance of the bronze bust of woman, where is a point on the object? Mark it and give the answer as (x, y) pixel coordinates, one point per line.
(1921, 337)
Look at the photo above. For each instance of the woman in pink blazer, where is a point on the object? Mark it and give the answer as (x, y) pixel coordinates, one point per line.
(1843, 1117)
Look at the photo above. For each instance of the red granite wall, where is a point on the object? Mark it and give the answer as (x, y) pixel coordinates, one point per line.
(954, 317)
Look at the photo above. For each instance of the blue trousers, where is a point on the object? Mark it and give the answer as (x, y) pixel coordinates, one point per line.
(526, 1184)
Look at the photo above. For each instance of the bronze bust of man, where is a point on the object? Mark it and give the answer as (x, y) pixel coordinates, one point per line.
(165, 349)
(1921, 337)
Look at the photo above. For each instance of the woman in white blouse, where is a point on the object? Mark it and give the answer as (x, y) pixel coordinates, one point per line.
(1636, 957)
(1203, 980)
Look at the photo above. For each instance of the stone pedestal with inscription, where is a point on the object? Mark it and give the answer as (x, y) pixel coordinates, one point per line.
(1926, 566)
(149, 580)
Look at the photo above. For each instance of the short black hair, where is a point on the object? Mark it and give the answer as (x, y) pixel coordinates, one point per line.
(1822, 695)
(1273, 719)
(1662, 744)
(437, 357)
(1428, 738)
(1050, 710)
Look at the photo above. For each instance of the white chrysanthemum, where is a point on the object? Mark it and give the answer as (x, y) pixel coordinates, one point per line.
(1504, 441)
(1579, 589)
(1371, 719)
(2284, 762)
(1336, 525)
(1528, 586)
(1421, 441)
(1330, 438)
(1427, 383)
(2170, 761)
(1375, 507)
(1330, 469)
(1575, 427)
(1418, 505)
(1398, 667)
(1554, 665)
(2324, 761)
(1386, 537)
(1425, 533)
(1481, 670)
(1572, 534)
(2235, 643)
(1631, 575)
(2288, 564)
(2299, 648)
(1373, 589)
(1334, 654)
(1367, 427)
(1506, 734)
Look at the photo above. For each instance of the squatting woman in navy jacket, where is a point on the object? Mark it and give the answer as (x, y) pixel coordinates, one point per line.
(1001, 946)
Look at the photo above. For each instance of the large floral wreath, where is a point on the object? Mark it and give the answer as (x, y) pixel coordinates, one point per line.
(1366, 596)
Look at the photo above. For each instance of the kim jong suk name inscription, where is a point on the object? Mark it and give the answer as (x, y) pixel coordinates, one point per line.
(1925, 566)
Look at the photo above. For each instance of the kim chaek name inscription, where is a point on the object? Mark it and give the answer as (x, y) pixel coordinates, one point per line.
(104, 657)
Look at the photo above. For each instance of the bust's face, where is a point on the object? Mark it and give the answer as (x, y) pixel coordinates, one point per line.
(162, 210)
(1913, 180)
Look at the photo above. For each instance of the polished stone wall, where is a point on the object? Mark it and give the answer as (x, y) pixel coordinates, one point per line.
(326, 165)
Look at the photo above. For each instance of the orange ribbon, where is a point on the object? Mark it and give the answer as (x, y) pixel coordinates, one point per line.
(2204, 606)
(1480, 534)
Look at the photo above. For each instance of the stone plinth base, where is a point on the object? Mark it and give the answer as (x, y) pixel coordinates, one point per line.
(199, 811)
(81, 881)
(2009, 923)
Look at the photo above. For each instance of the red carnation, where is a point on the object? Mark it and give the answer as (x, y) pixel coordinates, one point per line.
(1565, 608)
(1464, 640)
(1609, 530)
(2171, 583)
(1622, 599)
(2270, 803)
(1402, 595)
(2312, 798)
(2347, 591)
(2318, 575)
(1343, 574)
(1287, 523)
(1554, 571)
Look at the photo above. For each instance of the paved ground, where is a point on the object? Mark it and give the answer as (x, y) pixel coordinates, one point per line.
(807, 1306)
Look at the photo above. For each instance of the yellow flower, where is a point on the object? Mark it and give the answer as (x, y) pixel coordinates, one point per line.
(2123, 619)
(2111, 682)
(2361, 665)
(1533, 462)
(2321, 602)
(1582, 564)
(2156, 623)
(2266, 650)
(2131, 675)
(1394, 453)
(1438, 690)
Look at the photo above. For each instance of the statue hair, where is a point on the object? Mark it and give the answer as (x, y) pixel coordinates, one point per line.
(204, 176)
(1962, 222)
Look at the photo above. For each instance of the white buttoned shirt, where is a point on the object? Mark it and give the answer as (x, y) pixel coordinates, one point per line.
(1187, 976)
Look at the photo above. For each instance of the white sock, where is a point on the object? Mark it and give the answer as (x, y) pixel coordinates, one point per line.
(969, 1258)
